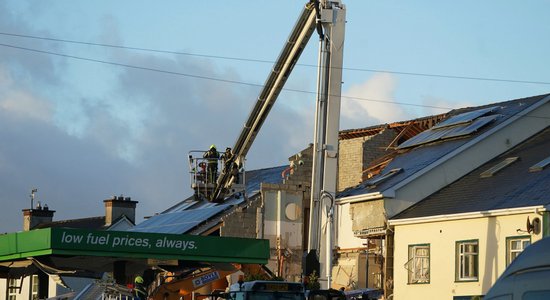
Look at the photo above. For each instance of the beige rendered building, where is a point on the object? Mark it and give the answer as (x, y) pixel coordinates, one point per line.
(429, 162)
(456, 243)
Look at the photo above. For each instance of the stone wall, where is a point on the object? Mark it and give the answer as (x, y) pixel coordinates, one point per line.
(355, 155)
(242, 222)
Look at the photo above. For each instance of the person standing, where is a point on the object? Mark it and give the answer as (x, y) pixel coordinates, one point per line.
(212, 157)
(227, 156)
(140, 291)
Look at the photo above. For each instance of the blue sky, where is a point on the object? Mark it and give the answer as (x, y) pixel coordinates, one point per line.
(82, 131)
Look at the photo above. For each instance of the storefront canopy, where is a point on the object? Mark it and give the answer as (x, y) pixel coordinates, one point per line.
(67, 250)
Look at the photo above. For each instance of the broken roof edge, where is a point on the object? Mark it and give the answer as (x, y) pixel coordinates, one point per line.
(348, 134)
(468, 215)
(359, 198)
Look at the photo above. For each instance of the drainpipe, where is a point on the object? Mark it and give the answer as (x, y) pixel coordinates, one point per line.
(330, 226)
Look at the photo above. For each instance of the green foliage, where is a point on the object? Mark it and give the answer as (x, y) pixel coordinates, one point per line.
(312, 282)
(252, 277)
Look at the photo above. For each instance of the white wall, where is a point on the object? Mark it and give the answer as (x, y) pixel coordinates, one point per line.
(343, 226)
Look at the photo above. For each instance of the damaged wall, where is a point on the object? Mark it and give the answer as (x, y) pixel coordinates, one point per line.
(356, 154)
(283, 226)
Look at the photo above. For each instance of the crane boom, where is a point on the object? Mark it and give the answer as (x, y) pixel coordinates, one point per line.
(297, 41)
(329, 18)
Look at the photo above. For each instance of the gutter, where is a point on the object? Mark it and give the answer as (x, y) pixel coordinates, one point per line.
(471, 215)
(360, 198)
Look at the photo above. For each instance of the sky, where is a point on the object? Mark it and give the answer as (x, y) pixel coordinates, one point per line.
(82, 122)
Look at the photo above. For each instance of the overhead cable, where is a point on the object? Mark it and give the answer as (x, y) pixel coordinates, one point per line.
(271, 62)
(207, 77)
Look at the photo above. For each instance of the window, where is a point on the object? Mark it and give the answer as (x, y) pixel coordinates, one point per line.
(467, 253)
(418, 264)
(536, 295)
(514, 246)
(13, 288)
(34, 287)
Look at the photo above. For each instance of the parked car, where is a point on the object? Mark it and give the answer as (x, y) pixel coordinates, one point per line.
(364, 294)
(527, 277)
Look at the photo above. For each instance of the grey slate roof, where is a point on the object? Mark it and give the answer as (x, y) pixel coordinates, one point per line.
(512, 187)
(414, 159)
(85, 223)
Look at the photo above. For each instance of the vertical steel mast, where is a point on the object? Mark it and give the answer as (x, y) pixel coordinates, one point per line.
(331, 27)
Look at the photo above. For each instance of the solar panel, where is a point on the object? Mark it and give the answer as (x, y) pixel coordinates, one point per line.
(424, 137)
(469, 128)
(182, 206)
(465, 117)
(447, 132)
(178, 222)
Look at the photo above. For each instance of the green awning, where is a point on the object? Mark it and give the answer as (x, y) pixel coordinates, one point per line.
(121, 245)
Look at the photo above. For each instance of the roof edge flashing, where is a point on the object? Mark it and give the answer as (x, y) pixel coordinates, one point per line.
(470, 215)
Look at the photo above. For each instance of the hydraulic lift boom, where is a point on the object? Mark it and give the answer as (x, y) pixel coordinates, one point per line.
(288, 57)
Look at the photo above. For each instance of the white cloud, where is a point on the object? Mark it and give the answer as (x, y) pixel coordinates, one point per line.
(24, 105)
(373, 103)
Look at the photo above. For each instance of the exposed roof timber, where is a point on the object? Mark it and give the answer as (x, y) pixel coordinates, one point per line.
(362, 132)
(415, 126)
(378, 165)
(400, 135)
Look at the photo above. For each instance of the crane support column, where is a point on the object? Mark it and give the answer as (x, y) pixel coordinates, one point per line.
(331, 23)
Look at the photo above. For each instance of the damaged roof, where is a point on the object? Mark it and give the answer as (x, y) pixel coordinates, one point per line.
(187, 215)
(438, 141)
(514, 179)
(405, 129)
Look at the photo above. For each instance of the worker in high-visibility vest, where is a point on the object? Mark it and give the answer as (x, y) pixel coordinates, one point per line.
(140, 291)
(212, 157)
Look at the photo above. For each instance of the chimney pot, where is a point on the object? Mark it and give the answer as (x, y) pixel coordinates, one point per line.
(119, 206)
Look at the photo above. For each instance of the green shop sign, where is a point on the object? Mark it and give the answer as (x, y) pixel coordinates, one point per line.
(65, 241)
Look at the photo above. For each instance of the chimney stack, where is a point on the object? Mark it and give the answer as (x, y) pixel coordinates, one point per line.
(34, 217)
(116, 207)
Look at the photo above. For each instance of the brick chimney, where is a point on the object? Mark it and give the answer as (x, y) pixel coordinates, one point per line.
(34, 217)
(116, 207)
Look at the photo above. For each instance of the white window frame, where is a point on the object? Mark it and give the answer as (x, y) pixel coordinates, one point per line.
(35, 281)
(467, 260)
(13, 288)
(511, 254)
(418, 265)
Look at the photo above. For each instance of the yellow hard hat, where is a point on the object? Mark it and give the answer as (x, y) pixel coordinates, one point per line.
(212, 146)
(138, 279)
